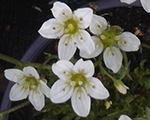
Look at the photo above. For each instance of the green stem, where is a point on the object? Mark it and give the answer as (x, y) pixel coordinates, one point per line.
(103, 70)
(125, 59)
(14, 108)
(145, 45)
(10, 59)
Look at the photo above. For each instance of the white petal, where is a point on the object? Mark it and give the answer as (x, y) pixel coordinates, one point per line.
(61, 11)
(66, 47)
(17, 92)
(44, 88)
(86, 67)
(81, 102)
(52, 28)
(124, 117)
(146, 5)
(31, 71)
(14, 75)
(128, 42)
(61, 91)
(84, 41)
(98, 25)
(84, 16)
(96, 89)
(98, 49)
(113, 58)
(127, 1)
(62, 69)
(37, 99)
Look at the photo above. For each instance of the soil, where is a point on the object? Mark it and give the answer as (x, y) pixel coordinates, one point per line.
(21, 20)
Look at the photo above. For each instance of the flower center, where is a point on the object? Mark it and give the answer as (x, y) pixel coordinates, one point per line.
(71, 26)
(110, 36)
(77, 79)
(31, 82)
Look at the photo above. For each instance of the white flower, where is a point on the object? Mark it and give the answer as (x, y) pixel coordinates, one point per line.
(28, 84)
(110, 39)
(145, 4)
(76, 82)
(69, 27)
(124, 117)
(120, 86)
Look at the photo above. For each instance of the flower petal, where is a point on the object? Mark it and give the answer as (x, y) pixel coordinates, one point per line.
(113, 58)
(96, 89)
(44, 88)
(62, 69)
(98, 25)
(146, 5)
(31, 71)
(98, 49)
(84, 16)
(61, 91)
(128, 42)
(127, 1)
(81, 102)
(84, 41)
(14, 75)
(124, 117)
(37, 99)
(52, 28)
(61, 11)
(66, 47)
(86, 67)
(17, 92)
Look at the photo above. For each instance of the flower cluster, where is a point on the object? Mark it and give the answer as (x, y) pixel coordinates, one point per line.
(76, 82)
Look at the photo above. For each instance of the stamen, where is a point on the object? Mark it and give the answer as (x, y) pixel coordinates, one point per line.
(116, 37)
(65, 44)
(73, 83)
(125, 42)
(54, 28)
(63, 89)
(98, 25)
(80, 98)
(93, 86)
(64, 72)
(75, 43)
(80, 82)
(103, 37)
(63, 13)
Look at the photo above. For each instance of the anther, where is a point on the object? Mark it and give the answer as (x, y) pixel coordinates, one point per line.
(65, 44)
(93, 86)
(54, 28)
(80, 82)
(75, 43)
(72, 83)
(63, 89)
(103, 37)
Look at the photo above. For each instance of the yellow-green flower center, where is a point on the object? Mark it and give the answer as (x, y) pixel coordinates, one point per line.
(71, 26)
(78, 79)
(31, 82)
(110, 36)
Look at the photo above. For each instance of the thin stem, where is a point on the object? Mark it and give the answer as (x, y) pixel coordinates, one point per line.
(14, 108)
(145, 45)
(105, 72)
(125, 59)
(102, 68)
(10, 59)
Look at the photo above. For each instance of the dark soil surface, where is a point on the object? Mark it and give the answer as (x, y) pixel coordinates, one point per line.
(20, 21)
